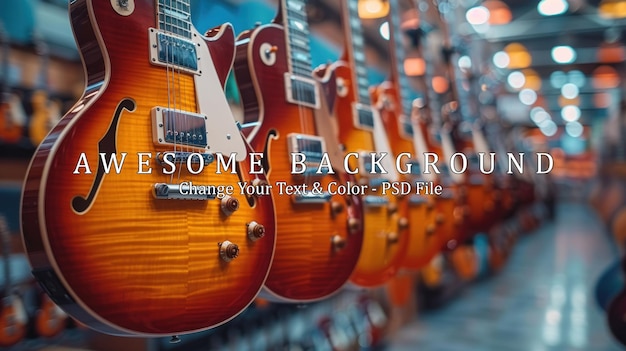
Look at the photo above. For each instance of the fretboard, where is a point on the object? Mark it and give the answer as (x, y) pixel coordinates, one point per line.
(297, 36)
(358, 52)
(397, 62)
(175, 17)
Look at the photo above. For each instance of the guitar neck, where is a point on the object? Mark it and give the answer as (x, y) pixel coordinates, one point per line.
(398, 75)
(356, 50)
(297, 36)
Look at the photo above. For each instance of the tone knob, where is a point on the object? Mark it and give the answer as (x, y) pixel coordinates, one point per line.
(229, 205)
(354, 224)
(403, 223)
(255, 231)
(338, 242)
(392, 208)
(440, 218)
(336, 207)
(228, 251)
(392, 238)
(430, 229)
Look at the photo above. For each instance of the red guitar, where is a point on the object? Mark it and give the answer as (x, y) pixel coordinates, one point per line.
(157, 245)
(286, 112)
(393, 99)
(13, 318)
(11, 129)
(361, 132)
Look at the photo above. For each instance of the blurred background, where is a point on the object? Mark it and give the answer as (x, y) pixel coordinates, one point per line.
(543, 76)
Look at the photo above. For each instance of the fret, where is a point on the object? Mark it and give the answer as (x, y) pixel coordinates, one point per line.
(297, 36)
(174, 17)
(398, 64)
(299, 45)
(358, 53)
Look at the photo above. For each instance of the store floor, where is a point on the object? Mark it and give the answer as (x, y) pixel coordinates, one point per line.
(542, 301)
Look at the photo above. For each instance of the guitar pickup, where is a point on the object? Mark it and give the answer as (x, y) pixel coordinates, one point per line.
(178, 128)
(312, 148)
(310, 198)
(173, 52)
(302, 91)
(363, 117)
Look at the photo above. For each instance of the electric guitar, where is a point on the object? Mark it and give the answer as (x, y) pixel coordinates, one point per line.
(361, 133)
(46, 112)
(127, 217)
(287, 113)
(13, 318)
(50, 319)
(11, 129)
(395, 104)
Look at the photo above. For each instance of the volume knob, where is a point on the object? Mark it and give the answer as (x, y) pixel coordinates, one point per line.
(255, 231)
(228, 251)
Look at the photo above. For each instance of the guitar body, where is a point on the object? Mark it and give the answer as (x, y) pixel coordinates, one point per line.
(450, 205)
(319, 243)
(50, 320)
(386, 239)
(423, 243)
(10, 131)
(105, 248)
(13, 321)
(45, 115)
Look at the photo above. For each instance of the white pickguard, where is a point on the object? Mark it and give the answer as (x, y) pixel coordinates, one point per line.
(223, 135)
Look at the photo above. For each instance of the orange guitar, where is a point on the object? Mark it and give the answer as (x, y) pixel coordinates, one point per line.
(393, 99)
(362, 133)
(160, 242)
(286, 112)
(13, 318)
(50, 319)
(46, 112)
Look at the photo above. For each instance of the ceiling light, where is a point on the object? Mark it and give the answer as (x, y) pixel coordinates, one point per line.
(477, 15)
(501, 59)
(384, 30)
(465, 62)
(516, 80)
(574, 129)
(539, 116)
(552, 7)
(527, 96)
(499, 12)
(569, 91)
(563, 54)
(548, 128)
(557, 79)
(570, 113)
(373, 8)
(414, 66)
(605, 77)
(577, 78)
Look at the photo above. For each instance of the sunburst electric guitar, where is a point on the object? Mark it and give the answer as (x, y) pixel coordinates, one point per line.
(127, 216)
(287, 114)
(362, 134)
(395, 104)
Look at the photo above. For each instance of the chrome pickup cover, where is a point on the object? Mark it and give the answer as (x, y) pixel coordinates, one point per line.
(175, 127)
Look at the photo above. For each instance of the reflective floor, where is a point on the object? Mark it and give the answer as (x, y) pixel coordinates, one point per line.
(543, 300)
